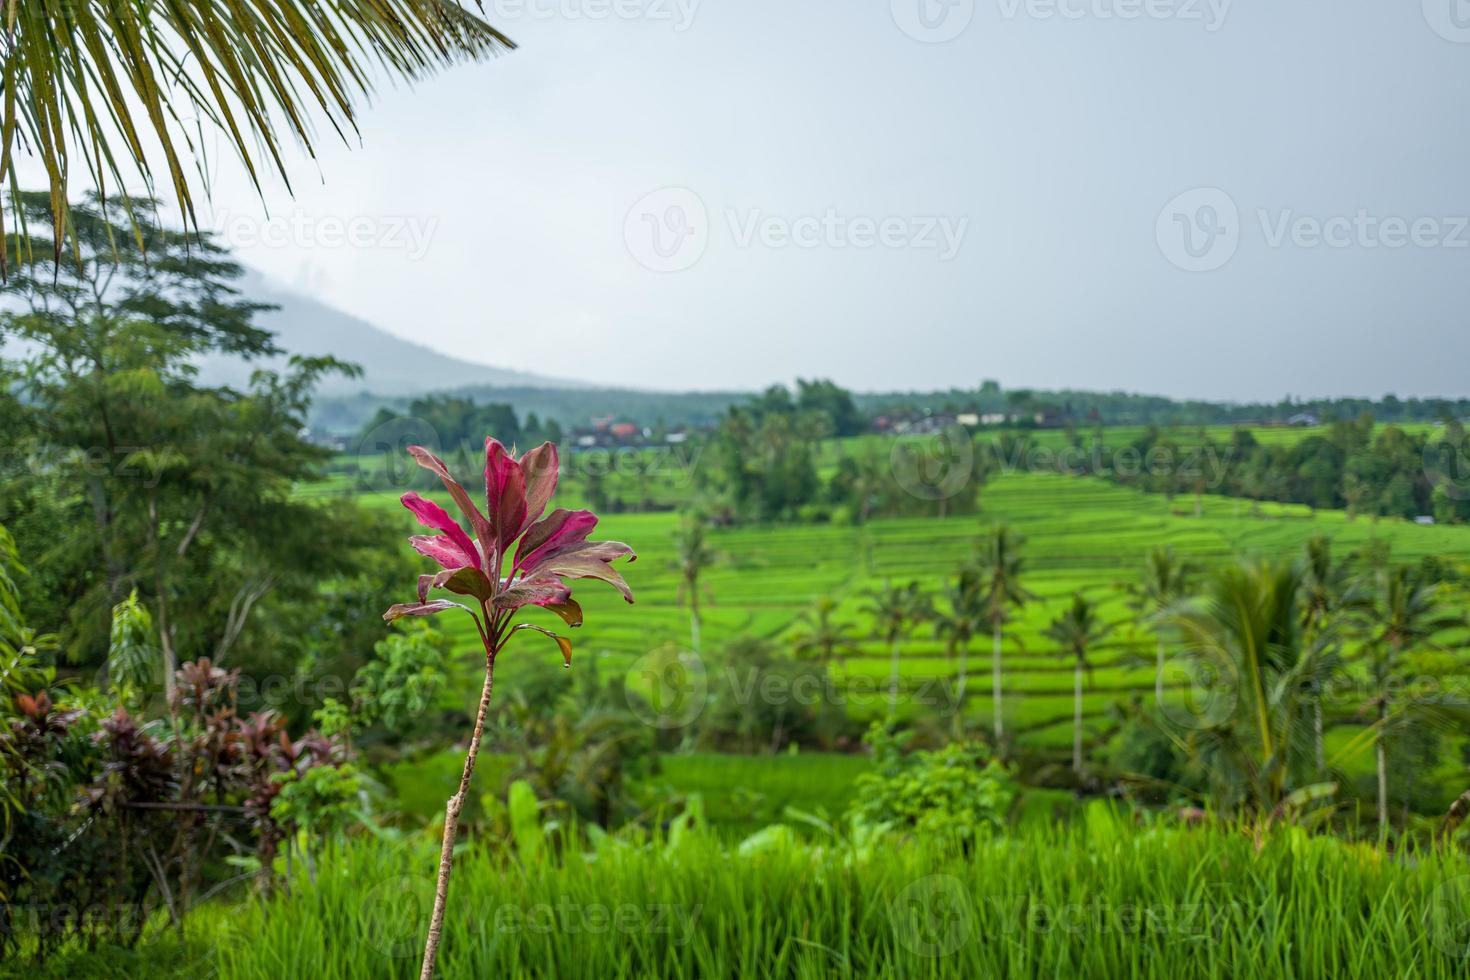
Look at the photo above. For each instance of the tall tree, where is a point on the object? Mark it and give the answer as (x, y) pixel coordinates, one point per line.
(1001, 567)
(1163, 583)
(1076, 631)
(1328, 590)
(186, 491)
(99, 82)
(896, 611)
(957, 622)
(692, 557)
(822, 638)
(1408, 614)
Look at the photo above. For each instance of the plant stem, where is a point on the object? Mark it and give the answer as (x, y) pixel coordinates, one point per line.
(995, 686)
(451, 824)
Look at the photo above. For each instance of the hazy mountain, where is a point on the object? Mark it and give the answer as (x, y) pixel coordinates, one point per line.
(391, 366)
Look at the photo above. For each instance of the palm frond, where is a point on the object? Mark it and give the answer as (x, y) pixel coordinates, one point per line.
(124, 90)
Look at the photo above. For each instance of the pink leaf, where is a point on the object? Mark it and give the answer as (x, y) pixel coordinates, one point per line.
(505, 493)
(562, 529)
(540, 466)
(422, 609)
(462, 500)
(444, 551)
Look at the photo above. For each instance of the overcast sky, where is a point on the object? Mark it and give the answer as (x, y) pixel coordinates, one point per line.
(1190, 197)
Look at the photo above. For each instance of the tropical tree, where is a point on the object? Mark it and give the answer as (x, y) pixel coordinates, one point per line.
(1328, 589)
(822, 638)
(1407, 614)
(1164, 582)
(896, 611)
(692, 556)
(957, 622)
(1246, 630)
(547, 552)
(186, 491)
(121, 87)
(1000, 567)
(1076, 631)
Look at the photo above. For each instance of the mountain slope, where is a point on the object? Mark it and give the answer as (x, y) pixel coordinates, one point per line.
(391, 366)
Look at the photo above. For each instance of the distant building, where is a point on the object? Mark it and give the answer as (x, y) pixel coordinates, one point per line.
(1424, 519)
(1304, 419)
(967, 418)
(993, 418)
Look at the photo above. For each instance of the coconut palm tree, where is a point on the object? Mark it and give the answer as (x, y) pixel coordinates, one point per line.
(692, 556)
(1076, 631)
(1329, 590)
(1000, 566)
(1406, 614)
(1164, 582)
(896, 611)
(1247, 626)
(125, 90)
(957, 622)
(823, 639)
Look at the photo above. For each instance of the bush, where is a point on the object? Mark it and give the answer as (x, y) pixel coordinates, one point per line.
(951, 793)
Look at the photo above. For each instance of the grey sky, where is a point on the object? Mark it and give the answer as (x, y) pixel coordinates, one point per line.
(1046, 138)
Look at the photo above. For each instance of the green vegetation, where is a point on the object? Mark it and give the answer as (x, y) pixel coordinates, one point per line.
(783, 724)
(1104, 897)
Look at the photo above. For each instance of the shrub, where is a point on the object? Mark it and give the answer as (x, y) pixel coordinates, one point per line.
(954, 792)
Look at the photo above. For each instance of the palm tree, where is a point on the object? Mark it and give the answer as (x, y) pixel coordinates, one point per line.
(1328, 590)
(1076, 631)
(96, 83)
(1408, 615)
(1000, 566)
(957, 622)
(1248, 624)
(1165, 581)
(823, 639)
(692, 556)
(896, 611)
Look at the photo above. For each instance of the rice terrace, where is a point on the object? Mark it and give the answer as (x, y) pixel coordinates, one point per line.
(557, 489)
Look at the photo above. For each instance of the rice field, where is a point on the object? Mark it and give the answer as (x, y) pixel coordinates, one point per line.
(1083, 535)
(1103, 897)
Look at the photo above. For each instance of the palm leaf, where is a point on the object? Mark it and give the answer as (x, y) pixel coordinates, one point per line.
(119, 85)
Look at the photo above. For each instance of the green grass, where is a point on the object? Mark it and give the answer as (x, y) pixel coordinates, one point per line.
(1102, 898)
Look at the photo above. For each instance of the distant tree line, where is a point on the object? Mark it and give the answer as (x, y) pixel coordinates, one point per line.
(852, 412)
(1355, 466)
(765, 456)
(458, 421)
(1122, 408)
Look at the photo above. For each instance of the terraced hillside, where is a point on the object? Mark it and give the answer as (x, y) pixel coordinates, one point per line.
(1082, 535)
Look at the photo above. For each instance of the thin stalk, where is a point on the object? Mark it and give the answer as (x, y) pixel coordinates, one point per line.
(995, 683)
(893, 679)
(452, 809)
(1077, 718)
